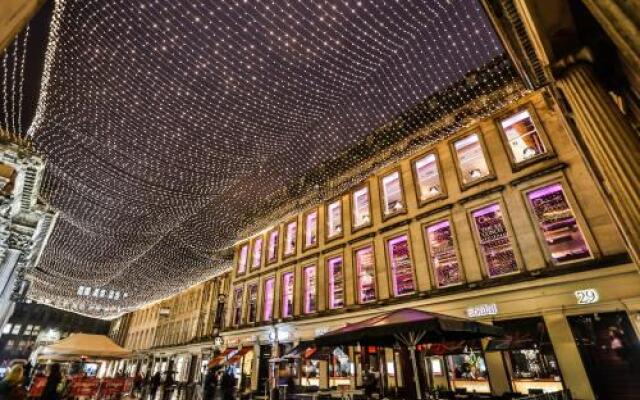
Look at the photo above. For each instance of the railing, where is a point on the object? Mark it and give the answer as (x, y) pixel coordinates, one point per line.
(562, 395)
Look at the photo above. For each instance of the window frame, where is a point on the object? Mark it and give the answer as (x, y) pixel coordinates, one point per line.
(253, 268)
(285, 238)
(356, 281)
(263, 297)
(239, 287)
(452, 145)
(248, 285)
(306, 214)
(327, 259)
(427, 247)
(388, 260)
(355, 228)
(328, 238)
(416, 183)
(304, 268)
(238, 253)
(383, 203)
(276, 229)
(282, 292)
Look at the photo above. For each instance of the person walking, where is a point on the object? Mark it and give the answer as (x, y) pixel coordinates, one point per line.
(50, 391)
(228, 385)
(209, 385)
(155, 384)
(11, 386)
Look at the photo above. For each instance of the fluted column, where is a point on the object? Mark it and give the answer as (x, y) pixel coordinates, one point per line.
(609, 141)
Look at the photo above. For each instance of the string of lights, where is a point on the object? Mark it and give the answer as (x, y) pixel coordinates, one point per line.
(170, 129)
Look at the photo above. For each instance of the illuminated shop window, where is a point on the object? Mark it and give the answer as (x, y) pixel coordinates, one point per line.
(361, 208)
(401, 265)
(427, 176)
(524, 140)
(472, 162)
(237, 306)
(311, 229)
(392, 196)
(557, 222)
(6, 329)
(309, 289)
(442, 251)
(269, 296)
(495, 244)
(366, 270)
(287, 294)
(256, 254)
(290, 238)
(336, 282)
(16, 329)
(468, 369)
(252, 303)
(334, 219)
(272, 246)
(242, 259)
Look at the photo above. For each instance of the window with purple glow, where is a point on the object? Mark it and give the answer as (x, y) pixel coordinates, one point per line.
(269, 295)
(287, 294)
(392, 193)
(558, 224)
(309, 289)
(252, 303)
(311, 229)
(428, 177)
(442, 250)
(361, 208)
(256, 254)
(401, 266)
(523, 138)
(471, 159)
(237, 306)
(494, 240)
(334, 219)
(336, 282)
(366, 270)
(242, 259)
(272, 246)
(290, 238)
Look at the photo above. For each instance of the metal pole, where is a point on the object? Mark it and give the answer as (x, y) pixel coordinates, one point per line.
(414, 364)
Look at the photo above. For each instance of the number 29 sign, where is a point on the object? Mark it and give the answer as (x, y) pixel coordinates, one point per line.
(587, 296)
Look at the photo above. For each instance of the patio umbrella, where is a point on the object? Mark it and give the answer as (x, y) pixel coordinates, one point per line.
(409, 327)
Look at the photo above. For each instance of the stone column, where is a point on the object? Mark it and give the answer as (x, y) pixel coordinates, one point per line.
(608, 141)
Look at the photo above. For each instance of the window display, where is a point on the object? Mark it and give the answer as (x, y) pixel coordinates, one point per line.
(256, 254)
(334, 219)
(287, 294)
(558, 224)
(366, 270)
(311, 229)
(309, 289)
(269, 295)
(442, 250)
(468, 371)
(252, 303)
(243, 255)
(336, 282)
(290, 238)
(427, 176)
(392, 196)
(361, 208)
(401, 266)
(472, 162)
(272, 246)
(494, 240)
(237, 306)
(522, 136)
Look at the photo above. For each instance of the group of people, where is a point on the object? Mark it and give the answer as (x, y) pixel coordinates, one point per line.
(219, 383)
(15, 383)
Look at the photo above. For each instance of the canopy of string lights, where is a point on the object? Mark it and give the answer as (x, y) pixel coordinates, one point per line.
(171, 129)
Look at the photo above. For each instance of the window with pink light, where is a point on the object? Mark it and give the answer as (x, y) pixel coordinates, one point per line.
(252, 303)
(290, 238)
(269, 296)
(442, 250)
(401, 265)
(558, 225)
(272, 246)
(366, 270)
(336, 282)
(334, 219)
(309, 289)
(494, 240)
(242, 259)
(237, 306)
(311, 229)
(256, 254)
(287, 294)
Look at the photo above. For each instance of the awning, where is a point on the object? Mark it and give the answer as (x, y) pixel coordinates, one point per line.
(219, 359)
(82, 345)
(238, 356)
(299, 350)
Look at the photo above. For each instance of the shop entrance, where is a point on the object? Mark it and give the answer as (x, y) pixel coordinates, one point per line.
(263, 368)
(610, 352)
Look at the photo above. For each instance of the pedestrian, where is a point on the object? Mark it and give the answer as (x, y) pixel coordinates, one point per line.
(11, 386)
(50, 391)
(228, 385)
(155, 384)
(209, 385)
(27, 368)
(137, 383)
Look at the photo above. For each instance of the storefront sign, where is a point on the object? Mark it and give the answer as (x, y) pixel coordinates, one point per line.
(218, 341)
(482, 310)
(587, 296)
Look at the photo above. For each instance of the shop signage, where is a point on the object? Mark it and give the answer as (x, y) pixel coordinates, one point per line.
(218, 341)
(482, 310)
(587, 296)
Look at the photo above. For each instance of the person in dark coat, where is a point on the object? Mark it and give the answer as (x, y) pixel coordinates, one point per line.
(228, 385)
(155, 384)
(209, 384)
(50, 391)
(27, 368)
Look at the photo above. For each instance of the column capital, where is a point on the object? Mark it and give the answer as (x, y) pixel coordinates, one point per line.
(581, 57)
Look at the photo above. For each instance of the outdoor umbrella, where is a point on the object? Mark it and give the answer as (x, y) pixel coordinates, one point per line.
(409, 327)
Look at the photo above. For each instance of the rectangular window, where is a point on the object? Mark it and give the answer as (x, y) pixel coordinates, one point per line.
(401, 265)
(309, 289)
(237, 306)
(256, 254)
(272, 246)
(252, 303)
(524, 140)
(16, 329)
(311, 229)
(336, 282)
(366, 274)
(392, 196)
(558, 224)
(472, 161)
(27, 330)
(6, 329)
(287, 294)
(269, 296)
(361, 208)
(87, 291)
(495, 243)
(243, 254)
(334, 219)
(442, 250)
(80, 290)
(290, 238)
(36, 330)
(427, 176)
